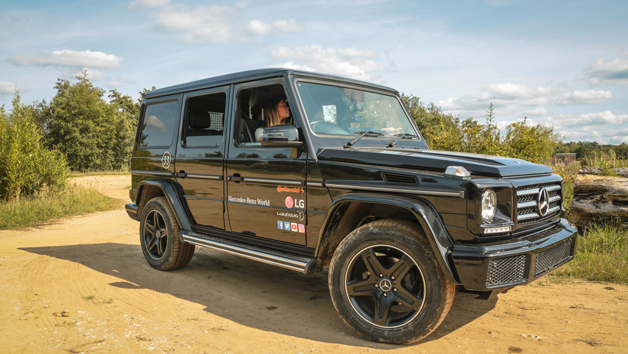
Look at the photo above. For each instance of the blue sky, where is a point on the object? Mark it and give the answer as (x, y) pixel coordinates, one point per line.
(559, 63)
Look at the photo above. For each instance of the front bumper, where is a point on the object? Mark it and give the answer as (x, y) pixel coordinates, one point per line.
(502, 265)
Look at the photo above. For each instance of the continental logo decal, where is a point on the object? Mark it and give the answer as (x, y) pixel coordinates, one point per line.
(281, 189)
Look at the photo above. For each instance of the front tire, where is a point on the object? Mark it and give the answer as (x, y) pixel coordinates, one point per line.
(159, 237)
(385, 283)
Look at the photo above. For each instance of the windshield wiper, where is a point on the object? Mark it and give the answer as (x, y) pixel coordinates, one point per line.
(362, 135)
(399, 137)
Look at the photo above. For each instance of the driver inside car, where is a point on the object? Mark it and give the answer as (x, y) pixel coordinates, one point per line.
(276, 112)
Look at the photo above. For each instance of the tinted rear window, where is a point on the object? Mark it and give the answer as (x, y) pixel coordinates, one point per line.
(158, 124)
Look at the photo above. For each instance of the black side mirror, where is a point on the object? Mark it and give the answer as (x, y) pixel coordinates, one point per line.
(281, 136)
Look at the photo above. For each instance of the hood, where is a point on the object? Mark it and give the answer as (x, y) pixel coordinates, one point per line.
(434, 161)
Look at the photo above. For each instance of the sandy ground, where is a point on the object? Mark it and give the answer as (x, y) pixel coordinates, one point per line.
(82, 285)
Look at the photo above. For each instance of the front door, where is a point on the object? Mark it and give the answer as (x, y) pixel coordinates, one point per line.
(266, 193)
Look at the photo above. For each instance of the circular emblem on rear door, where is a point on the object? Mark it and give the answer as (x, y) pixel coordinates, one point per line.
(165, 159)
(543, 202)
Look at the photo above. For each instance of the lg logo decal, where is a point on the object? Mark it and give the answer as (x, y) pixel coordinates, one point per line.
(297, 203)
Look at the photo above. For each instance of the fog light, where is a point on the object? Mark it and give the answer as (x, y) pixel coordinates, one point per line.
(495, 230)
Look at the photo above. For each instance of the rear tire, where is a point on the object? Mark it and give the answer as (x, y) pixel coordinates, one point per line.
(385, 283)
(159, 237)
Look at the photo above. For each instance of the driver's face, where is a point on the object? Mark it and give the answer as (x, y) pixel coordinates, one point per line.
(283, 110)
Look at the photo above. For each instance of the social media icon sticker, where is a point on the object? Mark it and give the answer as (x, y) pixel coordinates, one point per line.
(294, 227)
(280, 225)
(286, 225)
(302, 228)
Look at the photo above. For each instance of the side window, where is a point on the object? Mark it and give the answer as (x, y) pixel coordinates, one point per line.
(258, 108)
(158, 124)
(204, 120)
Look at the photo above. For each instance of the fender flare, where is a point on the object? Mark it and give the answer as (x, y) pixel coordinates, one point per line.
(169, 190)
(424, 212)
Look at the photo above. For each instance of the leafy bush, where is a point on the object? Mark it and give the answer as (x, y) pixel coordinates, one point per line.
(445, 132)
(26, 166)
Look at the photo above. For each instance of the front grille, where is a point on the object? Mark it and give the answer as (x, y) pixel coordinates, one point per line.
(527, 202)
(552, 257)
(507, 270)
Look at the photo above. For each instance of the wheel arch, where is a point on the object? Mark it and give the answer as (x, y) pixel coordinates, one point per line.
(150, 189)
(355, 209)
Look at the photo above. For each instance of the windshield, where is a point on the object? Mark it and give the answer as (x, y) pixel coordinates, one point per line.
(347, 111)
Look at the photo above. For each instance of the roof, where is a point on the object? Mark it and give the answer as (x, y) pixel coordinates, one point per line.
(248, 76)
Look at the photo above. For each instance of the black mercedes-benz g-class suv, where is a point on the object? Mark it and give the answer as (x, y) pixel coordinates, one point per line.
(346, 182)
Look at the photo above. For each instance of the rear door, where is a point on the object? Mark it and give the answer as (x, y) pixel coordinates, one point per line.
(200, 155)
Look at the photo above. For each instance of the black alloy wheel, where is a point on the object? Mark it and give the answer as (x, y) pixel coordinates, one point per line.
(385, 286)
(155, 234)
(159, 237)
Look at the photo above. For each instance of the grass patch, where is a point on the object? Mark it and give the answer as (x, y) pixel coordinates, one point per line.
(33, 211)
(601, 255)
(607, 160)
(100, 173)
(602, 252)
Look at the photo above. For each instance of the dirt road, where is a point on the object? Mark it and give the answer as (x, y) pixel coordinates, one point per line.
(82, 285)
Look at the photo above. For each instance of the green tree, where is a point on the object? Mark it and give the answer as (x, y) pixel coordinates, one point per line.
(93, 134)
(26, 165)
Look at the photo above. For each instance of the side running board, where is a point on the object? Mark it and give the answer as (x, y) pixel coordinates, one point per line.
(274, 257)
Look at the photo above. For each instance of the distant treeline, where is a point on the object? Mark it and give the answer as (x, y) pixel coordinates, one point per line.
(585, 149)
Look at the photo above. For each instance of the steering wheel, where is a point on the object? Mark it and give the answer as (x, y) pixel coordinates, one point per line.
(321, 127)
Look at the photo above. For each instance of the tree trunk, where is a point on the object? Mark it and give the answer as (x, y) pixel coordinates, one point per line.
(599, 199)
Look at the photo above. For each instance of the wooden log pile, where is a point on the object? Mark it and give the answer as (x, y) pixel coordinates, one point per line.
(600, 199)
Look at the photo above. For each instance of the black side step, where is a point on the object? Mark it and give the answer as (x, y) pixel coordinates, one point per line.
(265, 255)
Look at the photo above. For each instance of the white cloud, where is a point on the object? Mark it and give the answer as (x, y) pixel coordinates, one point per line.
(7, 88)
(599, 119)
(582, 97)
(509, 98)
(140, 4)
(612, 72)
(92, 75)
(70, 58)
(258, 27)
(351, 62)
(539, 111)
(210, 24)
(288, 26)
(600, 136)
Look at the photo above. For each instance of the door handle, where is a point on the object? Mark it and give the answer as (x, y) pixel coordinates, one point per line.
(236, 178)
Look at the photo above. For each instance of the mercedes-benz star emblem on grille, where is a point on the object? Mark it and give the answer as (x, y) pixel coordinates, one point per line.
(165, 159)
(385, 285)
(543, 202)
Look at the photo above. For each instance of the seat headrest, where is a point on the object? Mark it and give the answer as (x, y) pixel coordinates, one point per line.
(259, 97)
(199, 120)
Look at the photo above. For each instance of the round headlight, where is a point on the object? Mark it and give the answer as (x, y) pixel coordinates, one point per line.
(489, 206)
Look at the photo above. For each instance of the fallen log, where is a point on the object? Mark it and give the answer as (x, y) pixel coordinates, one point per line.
(599, 199)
